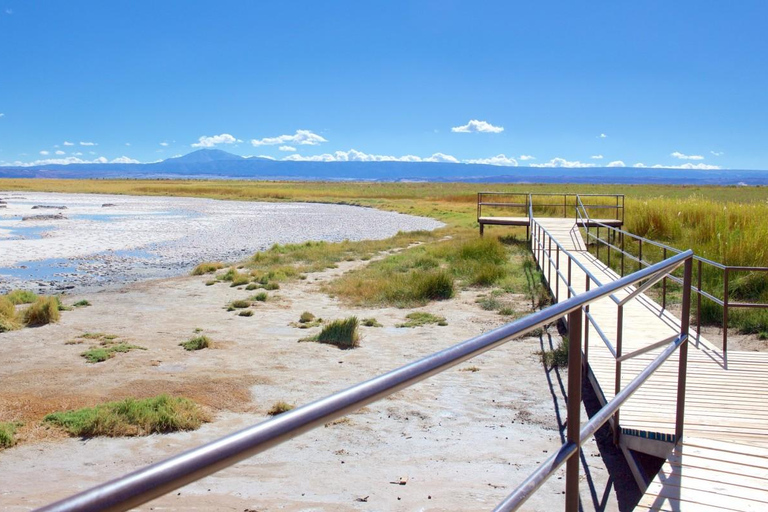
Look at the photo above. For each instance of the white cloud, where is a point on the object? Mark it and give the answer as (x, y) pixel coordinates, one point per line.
(681, 156)
(77, 153)
(88, 144)
(287, 148)
(616, 163)
(562, 162)
(209, 142)
(60, 152)
(124, 160)
(165, 144)
(596, 157)
(73, 160)
(501, 160)
(602, 136)
(525, 158)
(698, 167)
(67, 143)
(717, 153)
(301, 137)
(639, 165)
(267, 157)
(478, 127)
(358, 156)
(44, 152)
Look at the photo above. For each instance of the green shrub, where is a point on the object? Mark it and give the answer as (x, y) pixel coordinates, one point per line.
(81, 304)
(246, 312)
(207, 267)
(279, 408)
(131, 417)
(252, 286)
(210, 283)
(434, 286)
(240, 304)
(21, 297)
(507, 311)
(340, 333)
(306, 317)
(271, 286)
(43, 311)
(260, 297)
(489, 303)
(419, 318)
(197, 343)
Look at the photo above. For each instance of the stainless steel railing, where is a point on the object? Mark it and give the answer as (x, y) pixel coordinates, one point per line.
(157, 479)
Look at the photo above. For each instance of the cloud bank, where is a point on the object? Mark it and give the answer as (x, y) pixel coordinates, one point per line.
(475, 126)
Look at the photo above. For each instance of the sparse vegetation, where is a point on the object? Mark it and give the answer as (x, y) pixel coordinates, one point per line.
(9, 319)
(306, 317)
(371, 322)
(472, 369)
(81, 304)
(419, 318)
(271, 286)
(107, 351)
(340, 333)
(279, 408)
(240, 304)
(43, 311)
(260, 297)
(252, 286)
(197, 343)
(245, 312)
(130, 417)
(207, 267)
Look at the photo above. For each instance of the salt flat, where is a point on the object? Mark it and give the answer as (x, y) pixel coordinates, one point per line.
(112, 238)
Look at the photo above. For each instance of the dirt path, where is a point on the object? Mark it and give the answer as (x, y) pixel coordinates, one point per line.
(464, 439)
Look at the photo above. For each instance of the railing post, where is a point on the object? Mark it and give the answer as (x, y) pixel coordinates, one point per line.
(698, 304)
(557, 273)
(617, 383)
(622, 254)
(565, 206)
(725, 311)
(664, 286)
(598, 242)
(640, 258)
(586, 328)
(569, 276)
(549, 261)
(574, 410)
(608, 247)
(682, 369)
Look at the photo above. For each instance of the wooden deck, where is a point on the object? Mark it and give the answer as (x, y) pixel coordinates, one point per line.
(726, 414)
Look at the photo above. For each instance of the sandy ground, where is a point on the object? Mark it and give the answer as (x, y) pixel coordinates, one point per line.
(103, 239)
(463, 439)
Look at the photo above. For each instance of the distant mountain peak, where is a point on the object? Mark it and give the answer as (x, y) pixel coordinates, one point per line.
(205, 155)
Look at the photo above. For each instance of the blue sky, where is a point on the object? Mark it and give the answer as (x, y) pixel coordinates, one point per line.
(653, 83)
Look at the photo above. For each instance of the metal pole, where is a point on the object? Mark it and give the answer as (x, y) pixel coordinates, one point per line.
(557, 273)
(549, 261)
(622, 254)
(569, 276)
(725, 311)
(682, 369)
(664, 286)
(698, 306)
(608, 248)
(598, 242)
(617, 383)
(586, 327)
(640, 263)
(574, 410)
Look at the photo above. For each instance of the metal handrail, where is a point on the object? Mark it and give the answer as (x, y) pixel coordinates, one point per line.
(725, 302)
(618, 207)
(157, 479)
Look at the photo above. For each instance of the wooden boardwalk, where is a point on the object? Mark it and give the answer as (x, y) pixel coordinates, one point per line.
(726, 413)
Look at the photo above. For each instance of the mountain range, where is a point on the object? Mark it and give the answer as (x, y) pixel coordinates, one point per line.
(214, 163)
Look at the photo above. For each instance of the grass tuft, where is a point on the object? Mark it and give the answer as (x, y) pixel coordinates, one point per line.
(131, 417)
(260, 297)
(340, 333)
(43, 311)
(371, 322)
(558, 357)
(7, 434)
(9, 319)
(279, 408)
(207, 267)
(419, 318)
(81, 304)
(240, 304)
(21, 297)
(197, 343)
